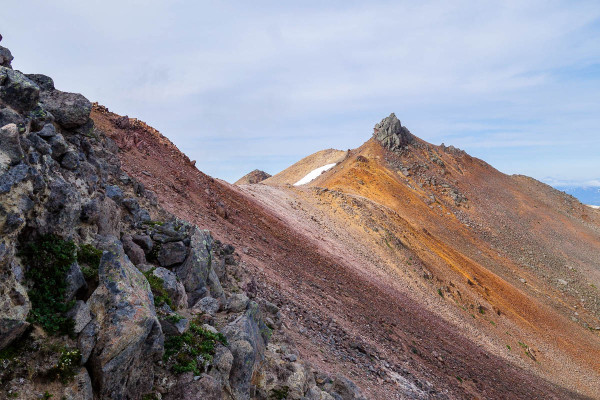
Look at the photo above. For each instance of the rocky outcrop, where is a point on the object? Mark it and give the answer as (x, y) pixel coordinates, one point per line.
(129, 334)
(391, 134)
(125, 289)
(253, 177)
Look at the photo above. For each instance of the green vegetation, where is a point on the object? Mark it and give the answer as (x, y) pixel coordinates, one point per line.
(279, 393)
(459, 379)
(47, 395)
(49, 259)
(508, 347)
(150, 396)
(153, 223)
(174, 318)
(88, 258)
(156, 285)
(67, 366)
(440, 293)
(193, 350)
(493, 323)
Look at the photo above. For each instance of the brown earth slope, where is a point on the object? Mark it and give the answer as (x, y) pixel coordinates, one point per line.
(352, 307)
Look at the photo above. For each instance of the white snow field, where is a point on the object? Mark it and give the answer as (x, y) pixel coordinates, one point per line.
(313, 174)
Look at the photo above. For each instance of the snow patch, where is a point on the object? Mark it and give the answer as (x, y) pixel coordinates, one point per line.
(596, 207)
(314, 174)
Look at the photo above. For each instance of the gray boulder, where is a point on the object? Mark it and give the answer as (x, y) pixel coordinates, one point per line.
(188, 388)
(18, 91)
(133, 251)
(10, 145)
(104, 213)
(247, 337)
(80, 388)
(391, 134)
(70, 160)
(81, 315)
(14, 176)
(5, 57)
(171, 253)
(71, 110)
(47, 131)
(237, 302)
(75, 281)
(44, 82)
(14, 308)
(195, 270)
(172, 286)
(129, 337)
(207, 305)
(10, 116)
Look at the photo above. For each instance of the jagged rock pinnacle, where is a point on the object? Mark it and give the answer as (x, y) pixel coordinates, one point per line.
(391, 134)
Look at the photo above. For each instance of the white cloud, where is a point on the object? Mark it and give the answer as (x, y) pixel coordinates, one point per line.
(276, 78)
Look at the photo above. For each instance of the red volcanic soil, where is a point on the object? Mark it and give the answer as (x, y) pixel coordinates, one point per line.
(343, 319)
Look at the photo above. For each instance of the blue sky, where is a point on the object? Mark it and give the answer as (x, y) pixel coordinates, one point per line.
(261, 84)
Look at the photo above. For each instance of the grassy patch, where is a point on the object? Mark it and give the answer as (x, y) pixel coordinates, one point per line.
(156, 284)
(192, 351)
(153, 223)
(49, 259)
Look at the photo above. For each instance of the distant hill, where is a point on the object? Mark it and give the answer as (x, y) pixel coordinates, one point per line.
(586, 194)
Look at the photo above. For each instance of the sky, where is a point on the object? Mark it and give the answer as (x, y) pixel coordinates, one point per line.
(239, 85)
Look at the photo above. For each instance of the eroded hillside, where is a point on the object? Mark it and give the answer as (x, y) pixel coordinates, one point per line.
(389, 268)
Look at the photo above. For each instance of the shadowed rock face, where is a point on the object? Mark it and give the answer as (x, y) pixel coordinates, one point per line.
(391, 134)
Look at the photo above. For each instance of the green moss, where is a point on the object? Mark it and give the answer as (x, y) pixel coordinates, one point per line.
(88, 258)
(440, 292)
(192, 351)
(153, 223)
(279, 393)
(156, 285)
(150, 396)
(49, 259)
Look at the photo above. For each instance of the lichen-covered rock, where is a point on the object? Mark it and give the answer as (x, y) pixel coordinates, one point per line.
(172, 286)
(104, 213)
(44, 82)
(10, 146)
(129, 336)
(14, 306)
(195, 270)
(391, 134)
(5, 57)
(75, 281)
(18, 91)
(247, 337)
(206, 305)
(237, 302)
(81, 315)
(10, 116)
(71, 110)
(190, 388)
(80, 388)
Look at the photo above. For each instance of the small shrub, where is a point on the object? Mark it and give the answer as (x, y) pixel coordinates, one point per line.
(49, 259)
(279, 393)
(88, 258)
(508, 347)
(440, 292)
(192, 351)
(156, 285)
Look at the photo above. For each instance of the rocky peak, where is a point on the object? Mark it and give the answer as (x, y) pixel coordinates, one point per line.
(253, 177)
(5, 56)
(391, 134)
